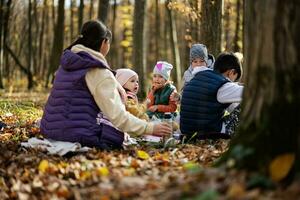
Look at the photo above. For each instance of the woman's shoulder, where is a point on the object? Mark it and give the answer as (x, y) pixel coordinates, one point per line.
(100, 73)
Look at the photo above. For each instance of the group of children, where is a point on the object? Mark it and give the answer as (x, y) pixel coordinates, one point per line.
(209, 92)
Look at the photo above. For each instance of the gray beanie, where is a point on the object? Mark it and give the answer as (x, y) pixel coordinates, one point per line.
(198, 51)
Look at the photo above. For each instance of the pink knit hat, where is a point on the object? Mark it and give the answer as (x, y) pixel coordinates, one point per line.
(123, 75)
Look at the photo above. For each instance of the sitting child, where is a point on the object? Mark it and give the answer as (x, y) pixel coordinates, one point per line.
(198, 54)
(129, 80)
(208, 95)
(158, 99)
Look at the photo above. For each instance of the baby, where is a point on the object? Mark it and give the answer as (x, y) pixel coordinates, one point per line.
(129, 80)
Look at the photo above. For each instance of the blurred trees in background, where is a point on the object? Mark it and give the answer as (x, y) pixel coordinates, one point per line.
(33, 34)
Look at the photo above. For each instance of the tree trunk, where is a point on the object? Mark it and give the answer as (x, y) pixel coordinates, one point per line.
(157, 30)
(80, 15)
(271, 109)
(139, 47)
(211, 25)
(6, 38)
(174, 46)
(29, 45)
(58, 41)
(91, 12)
(226, 31)
(237, 38)
(1, 42)
(41, 37)
(113, 49)
(103, 7)
(72, 5)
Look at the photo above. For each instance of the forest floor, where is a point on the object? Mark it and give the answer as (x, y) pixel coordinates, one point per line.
(139, 172)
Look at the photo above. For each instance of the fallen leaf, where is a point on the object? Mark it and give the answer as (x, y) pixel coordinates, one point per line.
(236, 190)
(143, 155)
(103, 171)
(281, 165)
(43, 166)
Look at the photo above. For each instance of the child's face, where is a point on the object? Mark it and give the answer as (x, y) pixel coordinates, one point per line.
(158, 81)
(198, 62)
(132, 84)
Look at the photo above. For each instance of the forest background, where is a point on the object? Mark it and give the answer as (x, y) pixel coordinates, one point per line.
(34, 33)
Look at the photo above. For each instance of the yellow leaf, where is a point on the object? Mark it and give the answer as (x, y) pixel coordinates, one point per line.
(85, 175)
(281, 165)
(43, 166)
(143, 155)
(236, 190)
(103, 171)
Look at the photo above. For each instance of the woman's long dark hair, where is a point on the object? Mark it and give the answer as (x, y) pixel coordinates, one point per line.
(92, 34)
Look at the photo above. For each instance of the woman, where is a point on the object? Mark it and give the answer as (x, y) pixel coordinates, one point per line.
(85, 86)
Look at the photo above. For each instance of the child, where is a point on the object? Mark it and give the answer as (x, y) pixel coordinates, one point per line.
(208, 95)
(129, 80)
(198, 57)
(158, 99)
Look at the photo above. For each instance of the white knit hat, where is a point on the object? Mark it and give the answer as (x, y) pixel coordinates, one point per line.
(163, 68)
(123, 75)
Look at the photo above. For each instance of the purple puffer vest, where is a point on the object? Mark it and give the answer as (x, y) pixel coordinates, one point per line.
(71, 111)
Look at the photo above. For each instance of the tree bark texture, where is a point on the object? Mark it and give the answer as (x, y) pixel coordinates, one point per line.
(58, 41)
(211, 25)
(174, 46)
(271, 108)
(139, 47)
(103, 7)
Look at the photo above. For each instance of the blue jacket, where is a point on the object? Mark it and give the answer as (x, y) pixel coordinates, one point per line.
(200, 110)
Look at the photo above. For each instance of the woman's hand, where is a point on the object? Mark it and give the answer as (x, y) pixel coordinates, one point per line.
(152, 108)
(162, 129)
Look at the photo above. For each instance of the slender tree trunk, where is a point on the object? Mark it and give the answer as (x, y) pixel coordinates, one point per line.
(174, 46)
(35, 38)
(29, 54)
(237, 38)
(91, 12)
(139, 59)
(211, 25)
(227, 27)
(72, 6)
(1, 42)
(271, 108)
(53, 13)
(80, 15)
(103, 7)
(157, 30)
(113, 51)
(58, 41)
(41, 37)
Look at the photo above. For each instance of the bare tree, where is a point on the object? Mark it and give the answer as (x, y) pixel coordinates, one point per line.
(72, 7)
(1, 42)
(80, 15)
(237, 38)
(139, 47)
(29, 45)
(271, 109)
(211, 24)
(174, 45)
(103, 7)
(91, 12)
(58, 41)
(157, 30)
